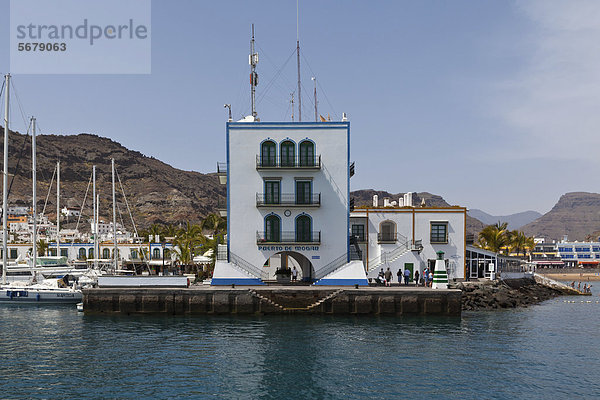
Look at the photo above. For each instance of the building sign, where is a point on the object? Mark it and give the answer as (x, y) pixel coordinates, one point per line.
(288, 248)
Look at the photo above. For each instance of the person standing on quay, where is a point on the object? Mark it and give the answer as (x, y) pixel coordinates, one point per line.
(399, 275)
(388, 277)
(294, 274)
(406, 276)
(417, 278)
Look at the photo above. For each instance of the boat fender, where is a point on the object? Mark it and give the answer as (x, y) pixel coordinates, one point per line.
(37, 297)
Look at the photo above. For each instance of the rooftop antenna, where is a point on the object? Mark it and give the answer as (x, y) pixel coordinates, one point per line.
(298, 56)
(228, 106)
(316, 113)
(292, 101)
(253, 60)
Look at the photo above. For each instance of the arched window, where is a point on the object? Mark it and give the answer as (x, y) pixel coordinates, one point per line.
(91, 253)
(387, 231)
(268, 151)
(287, 153)
(156, 253)
(307, 154)
(105, 253)
(273, 228)
(303, 229)
(81, 253)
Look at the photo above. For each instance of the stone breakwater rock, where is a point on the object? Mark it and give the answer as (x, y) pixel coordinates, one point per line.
(513, 293)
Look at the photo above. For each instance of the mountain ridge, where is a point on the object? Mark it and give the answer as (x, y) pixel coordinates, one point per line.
(515, 221)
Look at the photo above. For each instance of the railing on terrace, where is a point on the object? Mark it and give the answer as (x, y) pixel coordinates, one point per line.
(221, 168)
(387, 237)
(539, 258)
(288, 199)
(269, 162)
(288, 237)
(222, 252)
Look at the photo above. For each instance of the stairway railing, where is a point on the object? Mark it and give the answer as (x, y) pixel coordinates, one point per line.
(389, 256)
(247, 267)
(332, 266)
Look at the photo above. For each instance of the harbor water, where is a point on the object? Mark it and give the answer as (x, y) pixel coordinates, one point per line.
(545, 351)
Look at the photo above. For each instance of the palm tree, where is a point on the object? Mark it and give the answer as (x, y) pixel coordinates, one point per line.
(214, 223)
(169, 231)
(530, 244)
(155, 230)
(188, 241)
(517, 241)
(42, 247)
(494, 237)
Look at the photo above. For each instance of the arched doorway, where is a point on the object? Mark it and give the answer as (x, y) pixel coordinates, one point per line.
(287, 260)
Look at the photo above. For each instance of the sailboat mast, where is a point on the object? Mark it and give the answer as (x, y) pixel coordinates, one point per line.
(316, 113)
(298, 56)
(114, 197)
(5, 179)
(34, 190)
(58, 208)
(95, 221)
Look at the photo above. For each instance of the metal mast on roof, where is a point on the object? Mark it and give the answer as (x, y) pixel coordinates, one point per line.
(5, 180)
(298, 56)
(253, 59)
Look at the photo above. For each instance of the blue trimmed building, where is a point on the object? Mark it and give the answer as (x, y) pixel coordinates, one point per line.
(288, 187)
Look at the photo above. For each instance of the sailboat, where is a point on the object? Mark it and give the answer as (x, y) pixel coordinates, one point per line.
(59, 290)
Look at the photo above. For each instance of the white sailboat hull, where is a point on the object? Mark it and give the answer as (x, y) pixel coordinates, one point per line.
(34, 295)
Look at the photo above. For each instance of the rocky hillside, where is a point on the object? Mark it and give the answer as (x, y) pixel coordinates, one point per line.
(157, 192)
(576, 214)
(365, 198)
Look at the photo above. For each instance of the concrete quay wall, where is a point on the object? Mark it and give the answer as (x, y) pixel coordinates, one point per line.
(260, 301)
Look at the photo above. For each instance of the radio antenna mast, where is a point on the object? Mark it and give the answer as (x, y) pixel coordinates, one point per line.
(253, 60)
(298, 56)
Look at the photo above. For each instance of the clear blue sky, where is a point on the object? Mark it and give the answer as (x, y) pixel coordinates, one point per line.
(491, 104)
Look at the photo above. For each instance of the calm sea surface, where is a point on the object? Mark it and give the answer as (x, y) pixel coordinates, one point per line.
(547, 351)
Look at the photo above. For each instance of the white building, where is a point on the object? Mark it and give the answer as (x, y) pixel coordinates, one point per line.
(579, 254)
(410, 237)
(70, 212)
(288, 203)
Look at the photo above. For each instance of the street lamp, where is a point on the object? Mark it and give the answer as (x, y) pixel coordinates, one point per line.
(163, 244)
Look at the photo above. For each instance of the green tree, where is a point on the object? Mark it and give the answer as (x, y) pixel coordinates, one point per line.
(42, 247)
(494, 237)
(188, 241)
(215, 224)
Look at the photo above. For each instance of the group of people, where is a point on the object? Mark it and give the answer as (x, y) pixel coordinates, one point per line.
(385, 278)
(586, 288)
